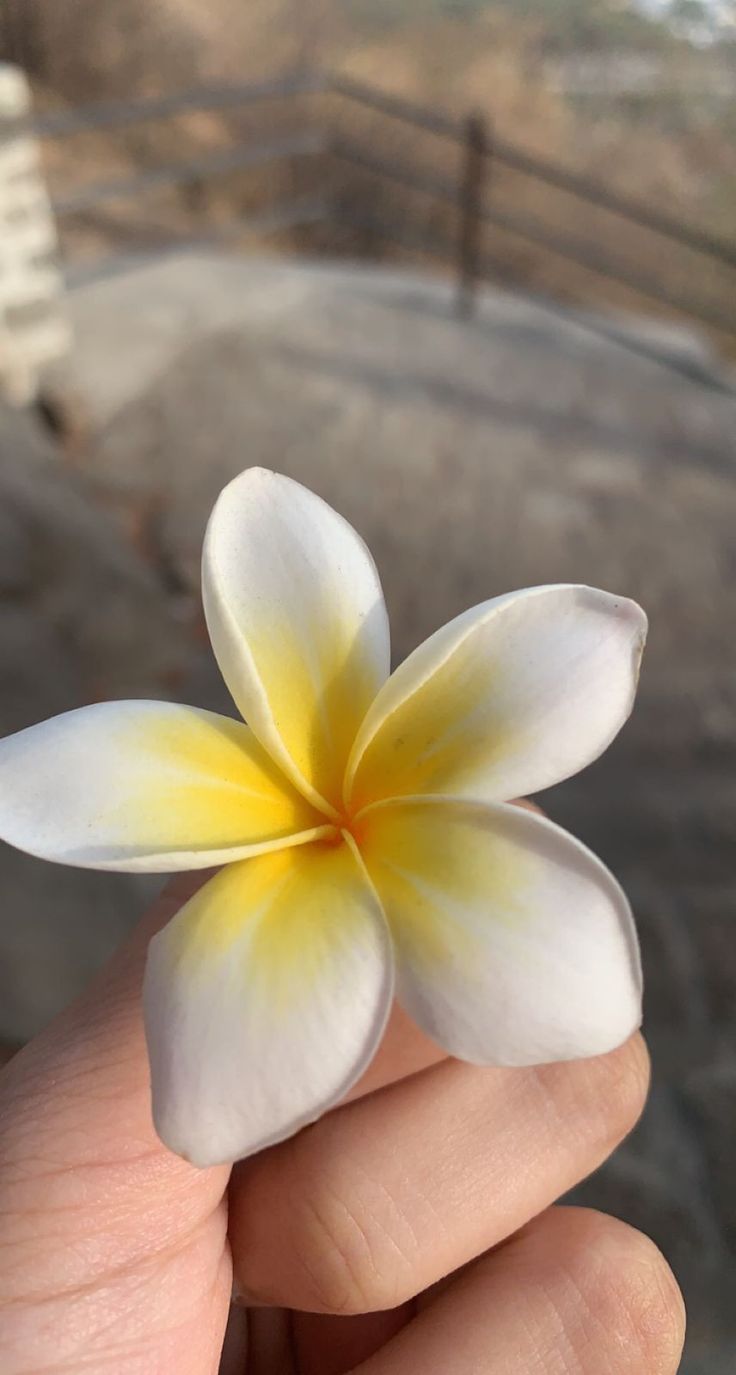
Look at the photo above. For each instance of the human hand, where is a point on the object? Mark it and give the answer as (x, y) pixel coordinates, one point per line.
(411, 1230)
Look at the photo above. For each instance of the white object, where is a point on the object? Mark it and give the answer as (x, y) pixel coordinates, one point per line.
(33, 330)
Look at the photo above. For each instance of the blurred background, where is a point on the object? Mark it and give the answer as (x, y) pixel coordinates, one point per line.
(467, 269)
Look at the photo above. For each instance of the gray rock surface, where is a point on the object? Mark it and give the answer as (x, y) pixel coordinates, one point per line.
(476, 458)
(82, 614)
(81, 617)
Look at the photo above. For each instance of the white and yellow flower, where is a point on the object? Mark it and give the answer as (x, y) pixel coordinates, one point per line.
(364, 826)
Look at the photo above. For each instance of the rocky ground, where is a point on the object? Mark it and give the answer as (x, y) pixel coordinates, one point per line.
(474, 458)
(81, 617)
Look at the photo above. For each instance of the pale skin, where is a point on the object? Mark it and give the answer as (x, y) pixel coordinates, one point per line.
(412, 1231)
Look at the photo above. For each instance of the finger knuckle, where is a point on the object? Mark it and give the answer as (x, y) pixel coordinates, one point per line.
(630, 1296)
(350, 1253)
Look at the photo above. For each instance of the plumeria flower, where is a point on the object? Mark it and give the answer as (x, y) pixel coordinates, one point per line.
(363, 824)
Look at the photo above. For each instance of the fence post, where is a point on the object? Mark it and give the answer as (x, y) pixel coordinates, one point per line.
(32, 326)
(476, 149)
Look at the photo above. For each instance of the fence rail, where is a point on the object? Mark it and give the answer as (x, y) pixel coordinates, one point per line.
(119, 114)
(294, 214)
(213, 164)
(532, 228)
(472, 196)
(541, 169)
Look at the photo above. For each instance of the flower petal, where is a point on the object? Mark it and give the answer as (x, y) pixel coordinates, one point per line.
(264, 1000)
(509, 698)
(514, 944)
(146, 786)
(297, 621)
